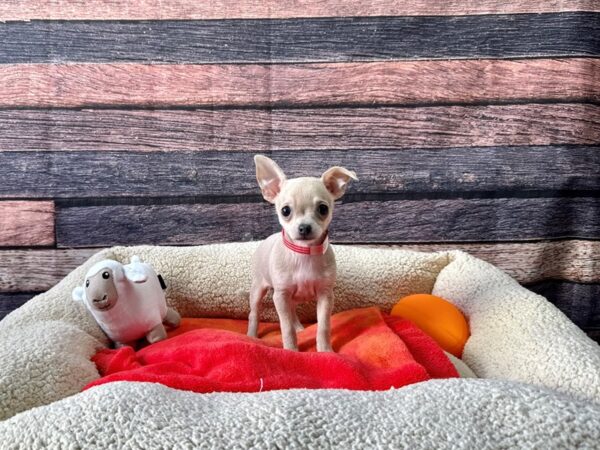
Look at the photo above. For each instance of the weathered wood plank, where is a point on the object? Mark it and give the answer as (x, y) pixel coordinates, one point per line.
(570, 260)
(10, 302)
(38, 270)
(580, 302)
(499, 219)
(532, 262)
(259, 130)
(26, 223)
(257, 9)
(109, 174)
(302, 40)
(393, 82)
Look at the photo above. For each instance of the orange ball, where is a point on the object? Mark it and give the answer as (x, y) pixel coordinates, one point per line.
(437, 317)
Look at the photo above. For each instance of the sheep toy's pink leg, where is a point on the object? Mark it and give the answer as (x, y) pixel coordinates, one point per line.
(172, 318)
(158, 333)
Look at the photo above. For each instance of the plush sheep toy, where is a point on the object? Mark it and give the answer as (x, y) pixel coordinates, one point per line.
(127, 301)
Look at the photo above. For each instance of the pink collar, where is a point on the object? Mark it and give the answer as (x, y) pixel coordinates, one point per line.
(304, 249)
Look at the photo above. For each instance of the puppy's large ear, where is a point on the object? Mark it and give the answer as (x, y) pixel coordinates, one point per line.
(336, 180)
(269, 176)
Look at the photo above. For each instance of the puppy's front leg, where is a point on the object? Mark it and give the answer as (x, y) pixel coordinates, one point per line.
(285, 311)
(324, 309)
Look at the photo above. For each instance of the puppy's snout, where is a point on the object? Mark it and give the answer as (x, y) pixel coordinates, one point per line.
(304, 229)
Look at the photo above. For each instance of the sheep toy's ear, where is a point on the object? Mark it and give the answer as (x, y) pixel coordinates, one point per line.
(78, 294)
(135, 274)
(135, 271)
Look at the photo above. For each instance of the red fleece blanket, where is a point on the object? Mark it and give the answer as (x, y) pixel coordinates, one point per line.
(373, 351)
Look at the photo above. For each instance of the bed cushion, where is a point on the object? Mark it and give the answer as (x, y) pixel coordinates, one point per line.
(440, 414)
(516, 335)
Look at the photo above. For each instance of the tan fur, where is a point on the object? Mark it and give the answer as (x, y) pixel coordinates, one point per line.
(294, 277)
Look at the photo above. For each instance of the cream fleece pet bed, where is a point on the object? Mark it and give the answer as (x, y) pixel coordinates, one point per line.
(541, 385)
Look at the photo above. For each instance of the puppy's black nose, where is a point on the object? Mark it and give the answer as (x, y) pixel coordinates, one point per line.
(304, 229)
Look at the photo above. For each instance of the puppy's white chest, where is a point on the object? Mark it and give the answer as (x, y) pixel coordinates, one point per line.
(308, 280)
(306, 288)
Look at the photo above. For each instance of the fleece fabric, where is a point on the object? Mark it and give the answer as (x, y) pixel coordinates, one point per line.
(437, 414)
(372, 352)
(541, 386)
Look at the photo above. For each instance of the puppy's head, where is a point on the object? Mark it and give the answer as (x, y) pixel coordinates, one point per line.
(304, 205)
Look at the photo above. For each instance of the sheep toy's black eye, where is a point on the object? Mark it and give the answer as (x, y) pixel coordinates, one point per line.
(323, 209)
(286, 211)
(105, 275)
(87, 283)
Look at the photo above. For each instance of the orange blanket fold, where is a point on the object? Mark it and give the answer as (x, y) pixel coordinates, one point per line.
(373, 351)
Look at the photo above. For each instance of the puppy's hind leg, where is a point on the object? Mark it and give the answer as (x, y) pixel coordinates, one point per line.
(297, 324)
(257, 292)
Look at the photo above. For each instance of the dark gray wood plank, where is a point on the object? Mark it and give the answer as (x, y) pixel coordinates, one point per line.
(579, 301)
(396, 221)
(207, 173)
(10, 302)
(260, 130)
(322, 39)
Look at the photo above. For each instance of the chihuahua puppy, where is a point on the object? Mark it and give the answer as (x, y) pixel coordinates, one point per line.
(298, 264)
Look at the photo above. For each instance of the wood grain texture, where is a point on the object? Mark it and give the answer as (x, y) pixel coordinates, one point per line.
(26, 223)
(38, 270)
(393, 82)
(10, 302)
(256, 9)
(413, 172)
(500, 219)
(259, 130)
(580, 302)
(531, 262)
(302, 40)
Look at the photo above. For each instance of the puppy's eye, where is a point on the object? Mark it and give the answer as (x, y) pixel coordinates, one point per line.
(286, 211)
(105, 275)
(323, 209)
(87, 283)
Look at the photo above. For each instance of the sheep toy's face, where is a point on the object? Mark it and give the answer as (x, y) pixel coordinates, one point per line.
(100, 290)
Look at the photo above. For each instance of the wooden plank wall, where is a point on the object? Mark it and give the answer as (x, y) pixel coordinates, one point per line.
(472, 125)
